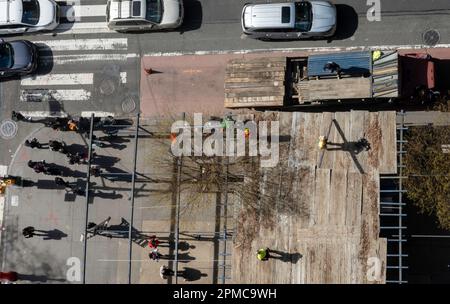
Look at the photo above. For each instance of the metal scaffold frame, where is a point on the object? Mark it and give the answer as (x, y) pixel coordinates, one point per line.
(393, 212)
(222, 235)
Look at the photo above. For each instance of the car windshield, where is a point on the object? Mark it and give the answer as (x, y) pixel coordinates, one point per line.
(6, 56)
(303, 16)
(154, 11)
(30, 12)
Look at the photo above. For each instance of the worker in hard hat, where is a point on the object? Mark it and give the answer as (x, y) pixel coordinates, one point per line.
(322, 142)
(376, 55)
(263, 254)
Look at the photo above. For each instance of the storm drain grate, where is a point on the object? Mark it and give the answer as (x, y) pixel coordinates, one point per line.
(431, 37)
(8, 129)
(128, 104)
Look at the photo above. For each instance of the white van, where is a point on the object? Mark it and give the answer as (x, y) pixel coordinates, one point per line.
(144, 15)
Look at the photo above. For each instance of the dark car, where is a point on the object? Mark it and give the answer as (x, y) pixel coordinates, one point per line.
(17, 58)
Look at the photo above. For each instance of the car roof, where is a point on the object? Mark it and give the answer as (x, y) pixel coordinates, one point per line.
(126, 9)
(269, 15)
(10, 11)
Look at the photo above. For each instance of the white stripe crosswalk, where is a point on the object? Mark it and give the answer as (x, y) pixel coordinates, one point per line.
(86, 44)
(76, 65)
(74, 12)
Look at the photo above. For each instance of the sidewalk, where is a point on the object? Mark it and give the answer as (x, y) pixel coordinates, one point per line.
(196, 82)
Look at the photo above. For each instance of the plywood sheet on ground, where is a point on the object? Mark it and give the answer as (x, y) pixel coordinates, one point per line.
(324, 221)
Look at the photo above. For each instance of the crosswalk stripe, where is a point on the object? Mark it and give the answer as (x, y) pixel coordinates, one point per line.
(82, 28)
(69, 59)
(65, 79)
(79, 11)
(59, 79)
(60, 95)
(86, 44)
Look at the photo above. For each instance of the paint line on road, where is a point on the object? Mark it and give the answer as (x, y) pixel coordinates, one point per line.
(96, 114)
(59, 95)
(59, 79)
(86, 44)
(14, 200)
(291, 50)
(69, 59)
(78, 11)
(43, 114)
(82, 28)
(123, 77)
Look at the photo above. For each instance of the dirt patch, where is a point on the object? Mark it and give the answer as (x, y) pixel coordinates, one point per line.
(374, 138)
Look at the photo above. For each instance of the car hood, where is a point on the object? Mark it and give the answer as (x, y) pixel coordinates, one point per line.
(23, 54)
(47, 10)
(171, 12)
(324, 16)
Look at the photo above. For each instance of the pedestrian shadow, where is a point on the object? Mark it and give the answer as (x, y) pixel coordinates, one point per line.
(37, 278)
(192, 274)
(54, 234)
(105, 160)
(284, 256)
(106, 195)
(184, 246)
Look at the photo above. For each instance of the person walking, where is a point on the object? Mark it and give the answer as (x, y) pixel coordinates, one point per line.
(333, 67)
(154, 255)
(38, 167)
(165, 272)
(34, 143)
(58, 146)
(72, 125)
(28, 232)
(153, 242)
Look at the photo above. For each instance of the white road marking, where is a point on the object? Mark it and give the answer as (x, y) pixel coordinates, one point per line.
(59, 79)
(69, 59)
(43, 114)
(96, 114)
(14, 200)
(58, 94)
(2, 210)
(82, 28)
(86, 44)
(123, 77)
(79, 11)
(291, 50)
(3, 170)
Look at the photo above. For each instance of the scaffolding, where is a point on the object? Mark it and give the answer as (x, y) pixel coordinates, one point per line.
(392, 215)
(219, 237)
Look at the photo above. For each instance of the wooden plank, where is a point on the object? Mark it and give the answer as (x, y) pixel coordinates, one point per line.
(338, 140)
(297, 152)
(322, 196)
(353, 200)
(345, 88)
(374, 136)
(357, 121)
(325, 130)
(388, 150)
(338, 198)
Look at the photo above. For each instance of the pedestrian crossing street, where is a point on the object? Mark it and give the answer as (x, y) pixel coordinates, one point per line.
(71, 69)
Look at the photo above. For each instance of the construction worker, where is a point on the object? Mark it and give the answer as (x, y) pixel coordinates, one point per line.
(263, 254)
(247, 132)
(322, 142)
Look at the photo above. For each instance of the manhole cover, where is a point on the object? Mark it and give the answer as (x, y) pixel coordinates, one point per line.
(128, 105)
(431, 37)
(8, 129)
(107, 87)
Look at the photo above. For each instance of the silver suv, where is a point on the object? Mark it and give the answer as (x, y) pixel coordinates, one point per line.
(291, 20)
(144, 15)
(20, 16)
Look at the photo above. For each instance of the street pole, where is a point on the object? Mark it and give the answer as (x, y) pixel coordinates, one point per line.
(91, 132)
(177, 222)
(133, 182)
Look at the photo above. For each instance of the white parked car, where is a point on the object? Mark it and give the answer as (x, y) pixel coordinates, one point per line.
(27, 16)
(144, 15)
